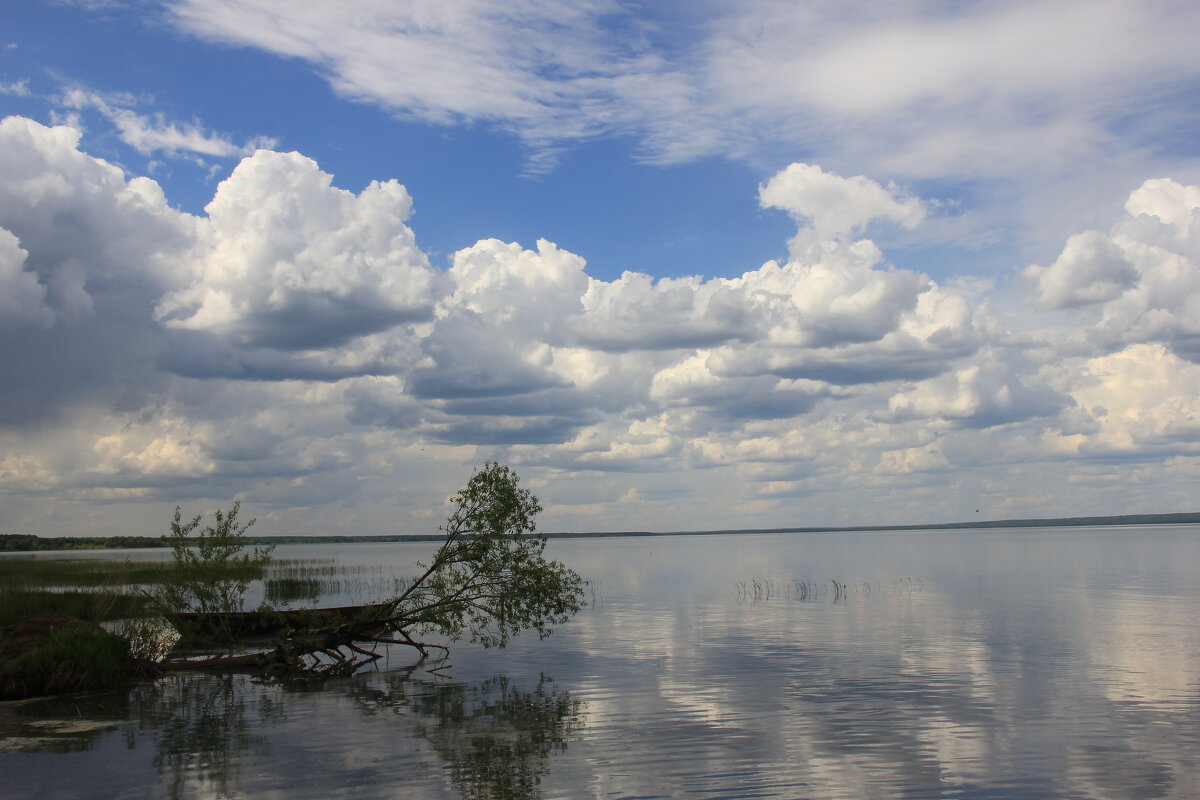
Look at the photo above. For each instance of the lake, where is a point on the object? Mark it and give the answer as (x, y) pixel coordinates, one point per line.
(1001, 663)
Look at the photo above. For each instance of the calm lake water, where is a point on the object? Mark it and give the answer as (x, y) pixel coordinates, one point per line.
(1008, 663)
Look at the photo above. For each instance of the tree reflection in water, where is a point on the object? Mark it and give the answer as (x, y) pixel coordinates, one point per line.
(213, 735)
(202, 727)
(496, 740)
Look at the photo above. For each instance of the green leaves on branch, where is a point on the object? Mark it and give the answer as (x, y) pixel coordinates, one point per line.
(212, 573)
(490, 579)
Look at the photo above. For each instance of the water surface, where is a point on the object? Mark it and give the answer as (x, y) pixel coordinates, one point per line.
(1007, 663)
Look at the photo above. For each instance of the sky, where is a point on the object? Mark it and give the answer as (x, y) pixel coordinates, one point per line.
(682, 265)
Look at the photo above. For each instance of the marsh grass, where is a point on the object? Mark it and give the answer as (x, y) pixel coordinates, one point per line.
(351, 589)
(290, 581)
(319, 568)
(60, 572)
(758, 590)
(84, 590)
(289, 590)
(305, 568)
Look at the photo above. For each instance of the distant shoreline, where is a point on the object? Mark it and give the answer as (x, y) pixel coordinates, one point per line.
(31, 542)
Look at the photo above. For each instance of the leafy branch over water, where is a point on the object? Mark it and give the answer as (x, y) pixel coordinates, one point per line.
(489, 581)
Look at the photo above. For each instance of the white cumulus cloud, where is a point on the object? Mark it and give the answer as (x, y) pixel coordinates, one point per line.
(1141, 279)
(287, 261)
(832, 206)
(636, 312)
(1091, 269)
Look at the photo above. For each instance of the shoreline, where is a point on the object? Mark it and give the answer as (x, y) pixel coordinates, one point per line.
(13, 543)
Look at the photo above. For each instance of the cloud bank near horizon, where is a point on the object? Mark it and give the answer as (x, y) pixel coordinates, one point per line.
(294, 345)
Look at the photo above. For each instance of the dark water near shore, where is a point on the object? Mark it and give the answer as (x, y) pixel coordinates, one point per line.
(1009, 663)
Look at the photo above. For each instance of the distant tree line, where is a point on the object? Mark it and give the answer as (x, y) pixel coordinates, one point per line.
(12, 542)
(28, 541)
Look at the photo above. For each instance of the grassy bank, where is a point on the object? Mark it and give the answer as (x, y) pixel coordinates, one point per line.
(52, 654)
(50, 614)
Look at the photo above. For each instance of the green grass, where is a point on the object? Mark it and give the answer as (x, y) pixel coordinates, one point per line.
(72, 656)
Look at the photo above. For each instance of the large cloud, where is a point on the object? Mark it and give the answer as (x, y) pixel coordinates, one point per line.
(483, 371)
(1145, 401)
(833, 312)
(691, 383)
(291, 263)
(1091, 269)
(492, 333)
(845, 321)
(993, 390)
(525, 335)
(84, 226)
(1140, 282)
(84, 255)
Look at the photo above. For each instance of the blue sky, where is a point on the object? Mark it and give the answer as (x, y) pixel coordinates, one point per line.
(683, 265)
(471, 180)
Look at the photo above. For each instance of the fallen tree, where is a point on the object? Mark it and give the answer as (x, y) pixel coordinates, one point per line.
(488, 581)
